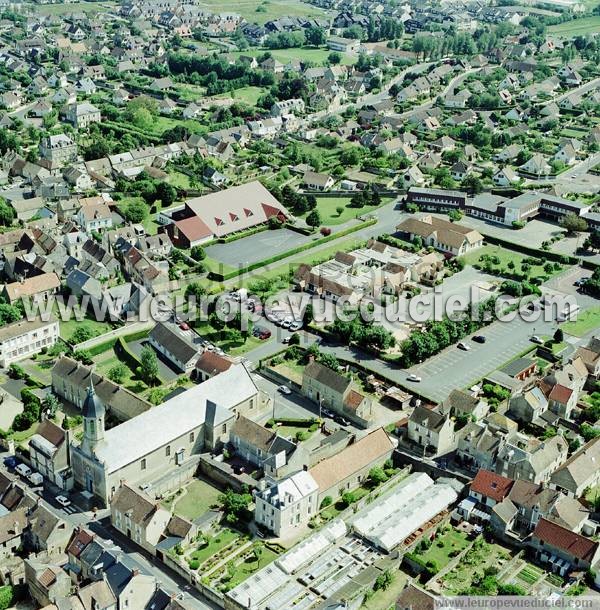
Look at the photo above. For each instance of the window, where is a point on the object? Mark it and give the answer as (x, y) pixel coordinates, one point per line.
(143, 464)
(168, 450)
(224, 430)
(191, 437)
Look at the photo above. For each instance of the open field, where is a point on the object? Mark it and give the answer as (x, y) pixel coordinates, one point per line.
(249, 95)
(577, 27)
(256, 11)
(317, 56)
(586, 322)
(327, 207)
(76, 7)
(68, 328)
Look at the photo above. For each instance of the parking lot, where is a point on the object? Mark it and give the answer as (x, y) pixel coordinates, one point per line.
(257, 247)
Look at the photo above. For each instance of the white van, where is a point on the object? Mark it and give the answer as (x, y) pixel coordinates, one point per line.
(36, 478)
(23, 470)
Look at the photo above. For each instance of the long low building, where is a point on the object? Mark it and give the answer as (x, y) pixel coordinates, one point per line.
(24, 338)
(393, 517)
(499, 209)
(222, 213)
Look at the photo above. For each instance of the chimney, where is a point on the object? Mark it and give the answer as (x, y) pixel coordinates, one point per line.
(16, 527)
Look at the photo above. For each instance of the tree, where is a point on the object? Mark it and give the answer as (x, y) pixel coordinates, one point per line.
(454, 215)
(383, 581)
(148, 365)
(334, 58)
(573, 223)
(377, 475)
(339, 210)
(327, 501)
(7, 214)
(81, 333)
(117, 373)
(50, 405)
(348, 498)
(198, 253)
(235, 505)
(257, 551)
(135, 211)
(7, 597)
(558, 336)
(196, 290)
(313, 219)
(315, 36)
(166, 192)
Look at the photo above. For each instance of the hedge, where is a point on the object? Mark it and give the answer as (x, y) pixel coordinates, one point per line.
(126, 354)
(220, 277)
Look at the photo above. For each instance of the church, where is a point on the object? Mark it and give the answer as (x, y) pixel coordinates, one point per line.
(164, 439)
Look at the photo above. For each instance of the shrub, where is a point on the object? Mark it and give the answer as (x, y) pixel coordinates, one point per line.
(194, 564)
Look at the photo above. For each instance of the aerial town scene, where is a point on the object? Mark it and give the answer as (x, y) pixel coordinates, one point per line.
(299, 304)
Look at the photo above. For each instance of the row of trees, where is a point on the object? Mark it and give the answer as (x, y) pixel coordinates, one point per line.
(365, 334)
(438, 335)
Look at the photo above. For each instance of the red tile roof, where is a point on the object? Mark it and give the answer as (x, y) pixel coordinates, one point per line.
(491, 485)
(560, 393)
(193, 228)
(79, 542)
(561, 538)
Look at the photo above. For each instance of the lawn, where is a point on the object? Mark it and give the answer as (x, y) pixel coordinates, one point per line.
(249, 95)
(443, 545)
(386, 598)
(97, 328)
(327, 207)
(198, 498)
(530, 574)
(577, 27)
(586, 322)
(216, 543)
(77, 7)
(505, 257)
(249, 566)
(255, 11)
(311, 54)
(179, 180)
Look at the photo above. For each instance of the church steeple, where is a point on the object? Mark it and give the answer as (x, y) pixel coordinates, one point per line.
(93, 417)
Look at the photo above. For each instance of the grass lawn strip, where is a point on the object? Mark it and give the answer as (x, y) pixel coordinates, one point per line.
(586, 322)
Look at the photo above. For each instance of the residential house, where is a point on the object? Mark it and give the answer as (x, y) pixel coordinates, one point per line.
(210, 364)
(562, 550)
(47, 532)
(286, 507)
(489, 488)
(317, 182)
(138, 517)
(349, 468)
(82, 115)
(49, 453)
(39, 287)
(450, 237)
(331, 390)
(580, 472)
(432, 431)
(522, 457)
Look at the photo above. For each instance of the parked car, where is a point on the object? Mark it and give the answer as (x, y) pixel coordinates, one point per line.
(479, 339)
(285, 340)
(23, 470)
(536, 339)
(287, 322)
(63, 501)
(265, 334)
(284, 389)
(340, 420)
(413, 377)
(296, 325)
(184, 326)
(462, 345)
